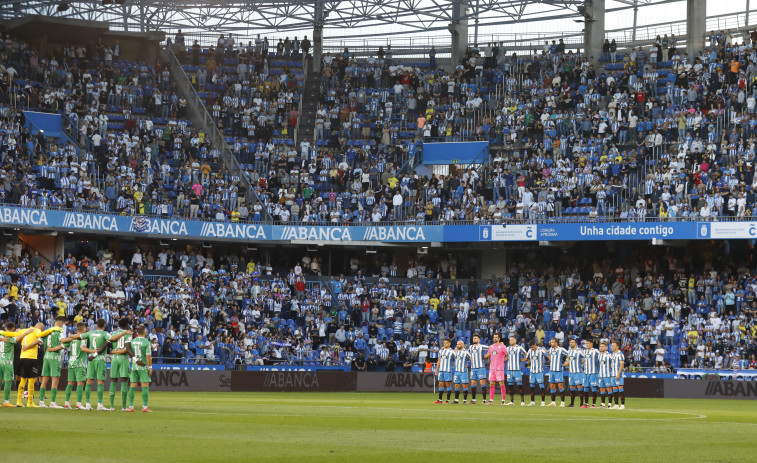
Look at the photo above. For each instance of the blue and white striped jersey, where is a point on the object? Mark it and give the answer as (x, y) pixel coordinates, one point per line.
(445, 360)
(462, 357)
(605, 365)
(575, 356)
(557, 358)
(515, 356)
(617, 358)
(590, 361)
(477, 356)
(536, 359)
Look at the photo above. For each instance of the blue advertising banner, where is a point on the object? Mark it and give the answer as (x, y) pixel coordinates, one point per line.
(43, 219)
(187, 367)
(296, 368)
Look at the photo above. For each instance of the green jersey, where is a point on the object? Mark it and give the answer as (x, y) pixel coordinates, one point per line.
(6, 351)
(141, 349)
(76, 358)
(95, 340)
(53, 341)
(121, 343)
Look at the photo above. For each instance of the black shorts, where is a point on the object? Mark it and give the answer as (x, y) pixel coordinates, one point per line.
(28, 368)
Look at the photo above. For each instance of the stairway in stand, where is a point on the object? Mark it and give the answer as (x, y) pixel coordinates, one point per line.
(310, 98)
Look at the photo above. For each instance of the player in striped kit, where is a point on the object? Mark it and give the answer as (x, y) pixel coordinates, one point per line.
(515, 357)
(617, 366)
(477, 367)
(497, 354)
(444, 370)
(462, 358)
(590, 362)
(535, 359)
(605, 371)
(557, 355)
(575, 372)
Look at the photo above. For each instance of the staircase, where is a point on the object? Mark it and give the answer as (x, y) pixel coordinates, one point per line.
(311, 96)
(201, 118)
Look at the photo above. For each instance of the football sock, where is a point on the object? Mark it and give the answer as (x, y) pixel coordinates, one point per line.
(100, 392)
(87, 392)
(503, 393)
(622, 398)
(562, 395)
(79, 393)
(533, 394)
(617, 397)
(31, 385)
(603, 399)
(473, 392)
(491, 391)
(449, 393)
(572, 397)
(594, 402)
(512, 394)
(69, 388)
(465, 394)
(553, 396)
(53, 395)
(457, 394)
(21, 386)
(522, 393)
(131, 396)
(441, 393)
(483, 391)
(145, 396)
(42, 391)
(7, 391)
(543, 395)
(112, 393)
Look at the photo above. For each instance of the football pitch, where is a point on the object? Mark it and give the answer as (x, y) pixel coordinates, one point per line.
(382, 427)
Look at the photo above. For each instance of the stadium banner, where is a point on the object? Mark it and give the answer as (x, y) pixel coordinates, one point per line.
(186, 366)
(395, 382)
(293, 381)
(617, 231)
(737, 375)
(727, 230)
(184, 380)
(650, 375)
(296, 368)
(373, 233)
(493, 232)
(716, 389)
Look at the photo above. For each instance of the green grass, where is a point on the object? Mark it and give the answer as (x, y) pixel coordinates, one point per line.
(389, 427)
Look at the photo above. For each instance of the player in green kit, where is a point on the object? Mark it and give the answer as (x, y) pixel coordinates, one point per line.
(7, 345)
(141, 372)
(119, 363)
(77, 366)
(51, 365)
(96, 343)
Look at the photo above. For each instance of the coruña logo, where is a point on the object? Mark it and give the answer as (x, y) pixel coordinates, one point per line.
(139, 223)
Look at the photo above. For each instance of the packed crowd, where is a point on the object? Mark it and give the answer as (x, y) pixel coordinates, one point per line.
(665, 310)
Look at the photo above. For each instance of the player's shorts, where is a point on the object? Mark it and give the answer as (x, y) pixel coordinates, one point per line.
(77, 374)
(140, 376)
(514, 377)
(97, 370)
(28, 368)
(620, 382)
(536, 378)
(51, 368)
(575, 379)
(557, 377)
(444, 376)
(590, 381)
(6, 372)
(119, 368)
(605, 383)
(478, 374)
(461, 377)
(497, 375)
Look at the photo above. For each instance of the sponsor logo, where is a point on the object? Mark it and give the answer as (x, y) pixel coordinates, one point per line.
(18, 216)
(291, 380)
(143, 224)
(163, 366)
(731, 389)
(316, 233)
(233, 230)
(485, 233)
(704, 231)
(394, 234)
(405, 380)
(171, 378)
(90, 222)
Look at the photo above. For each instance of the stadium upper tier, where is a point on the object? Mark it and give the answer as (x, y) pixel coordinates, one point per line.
(650, 135)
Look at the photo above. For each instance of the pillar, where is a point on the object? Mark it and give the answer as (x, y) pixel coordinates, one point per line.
(458, 29)
(696, 25)
(317, 48)
(594, 29)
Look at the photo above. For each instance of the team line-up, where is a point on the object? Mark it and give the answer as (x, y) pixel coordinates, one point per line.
(590, 371)
(131, 363)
